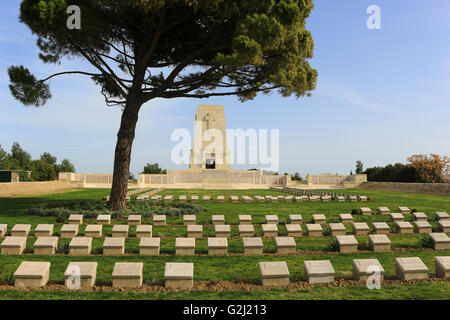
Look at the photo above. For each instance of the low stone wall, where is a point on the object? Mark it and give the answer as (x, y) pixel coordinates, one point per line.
(437, 189)
(212, 179)
(10, 189)
(202, 179)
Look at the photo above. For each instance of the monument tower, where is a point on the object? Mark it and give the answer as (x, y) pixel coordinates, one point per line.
(210, 139)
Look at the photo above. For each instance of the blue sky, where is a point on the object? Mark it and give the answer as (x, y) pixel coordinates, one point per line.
(382, 95)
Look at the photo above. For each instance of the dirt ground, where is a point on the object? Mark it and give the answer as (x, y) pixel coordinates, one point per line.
(33, 188)
(215, 285)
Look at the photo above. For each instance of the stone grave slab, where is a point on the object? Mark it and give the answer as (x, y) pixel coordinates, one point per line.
(404, 210)
(76, 219)
(295, 218)
(85, 271)
(80, 246)
(134, 219)
(104, 219)
(411, 268)
(319, 218)
(383, 210)
(194, 231)
(32, 274)
(120, 231)
(245, 219)
(442, 216)
(347, 244)
(217, 246)
(144, 231)
(381, 227)
(127, 274)
(13, 245)
(422, 226)
(222, 230)
(396, 216)
(269, 230)
(113, 246)
(3, 230)
(149, 246)
(404, 227)
(314, 230)
(45, 246)
(285, 245)
(365, 211)
(294, 230)
(189, 219)
(444, 226)
(21, 230)
(179, 275)
(218, 219)
(246, 230)
(420, 216)
(93, 230)
(271, 218)
(337, 229)
(274, 273)
(253, 246)
(379, 243)
(442, 265)
(159, 220)
(364, 268)
(440, 241)
(43, 230)
(69, 230)
(185, 246)
(360, 228)
(346, 218)
(319, 271)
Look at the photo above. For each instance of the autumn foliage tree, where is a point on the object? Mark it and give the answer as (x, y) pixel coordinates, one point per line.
(140, 50)
(430, 168)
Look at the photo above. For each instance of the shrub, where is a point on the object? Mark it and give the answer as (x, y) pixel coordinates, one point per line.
(332, 244)
(62, 248)
(363, 245)
(425, 241)
(60, 220)
(355, 211)
(90, 209)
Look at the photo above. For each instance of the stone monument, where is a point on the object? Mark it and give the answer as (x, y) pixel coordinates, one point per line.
(210, 139)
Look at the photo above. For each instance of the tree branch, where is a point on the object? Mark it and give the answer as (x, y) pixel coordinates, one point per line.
(99, 67)
(70, 72)
(155, 40)
(176, 94)
(112, 73)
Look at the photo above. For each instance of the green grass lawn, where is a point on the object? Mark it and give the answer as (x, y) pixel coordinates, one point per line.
(235, 266)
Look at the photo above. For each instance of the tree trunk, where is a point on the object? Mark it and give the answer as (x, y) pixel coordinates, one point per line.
(122, 155)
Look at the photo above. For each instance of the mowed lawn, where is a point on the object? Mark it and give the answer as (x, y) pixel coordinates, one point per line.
(236, 266)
